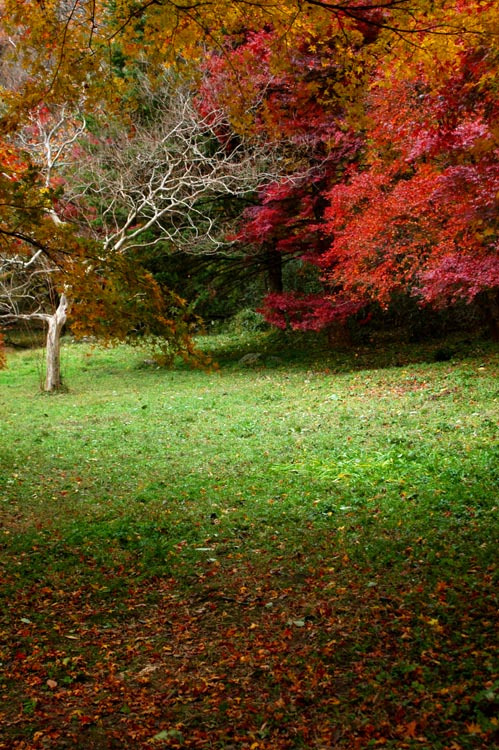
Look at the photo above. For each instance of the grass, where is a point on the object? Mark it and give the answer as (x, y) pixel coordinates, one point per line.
(295, 554)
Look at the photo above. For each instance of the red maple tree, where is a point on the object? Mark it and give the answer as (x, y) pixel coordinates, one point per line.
(290, 97)
(394, 193)
(421, 215)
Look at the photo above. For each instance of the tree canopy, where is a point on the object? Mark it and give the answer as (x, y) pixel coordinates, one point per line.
(384, 116)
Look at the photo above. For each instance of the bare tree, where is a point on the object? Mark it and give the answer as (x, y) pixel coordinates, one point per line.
(27, 289)
(160, 177)
(49, 136)
(26, 293)
(166, 177)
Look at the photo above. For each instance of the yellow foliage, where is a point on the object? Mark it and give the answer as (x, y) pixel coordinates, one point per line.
(64, 51)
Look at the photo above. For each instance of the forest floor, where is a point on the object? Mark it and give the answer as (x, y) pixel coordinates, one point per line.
(298, 553)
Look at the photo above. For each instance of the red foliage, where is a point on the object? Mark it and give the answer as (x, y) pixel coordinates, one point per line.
(307, 312)
(406, 204)
(423, 215)
(287, 101)
(294, 106)
(288, 213)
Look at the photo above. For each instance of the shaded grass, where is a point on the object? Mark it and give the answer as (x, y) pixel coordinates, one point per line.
(345, 508)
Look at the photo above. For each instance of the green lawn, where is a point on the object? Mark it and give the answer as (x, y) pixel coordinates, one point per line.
(296, 554)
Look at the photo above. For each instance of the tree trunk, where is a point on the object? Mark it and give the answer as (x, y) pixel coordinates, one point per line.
(273, 263)
(491, 310)
(55, 324)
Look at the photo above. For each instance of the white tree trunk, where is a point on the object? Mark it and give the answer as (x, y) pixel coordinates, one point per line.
(55, 324)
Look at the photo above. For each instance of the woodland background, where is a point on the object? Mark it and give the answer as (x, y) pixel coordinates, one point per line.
(328, 165)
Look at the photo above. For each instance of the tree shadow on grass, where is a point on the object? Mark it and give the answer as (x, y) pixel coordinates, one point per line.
(309, 350)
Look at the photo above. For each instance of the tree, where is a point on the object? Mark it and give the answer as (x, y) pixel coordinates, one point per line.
(317, 61)
(156, 181)
(48, 266)
(404, 201)
(33, 238)
(421, 215)
(27, 260)
(25, 284)
(164, 176)
(301, 106)
(66, 46)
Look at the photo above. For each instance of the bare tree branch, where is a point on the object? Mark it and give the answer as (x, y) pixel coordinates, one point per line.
(160, 181)
(24, 286)
(49, 136)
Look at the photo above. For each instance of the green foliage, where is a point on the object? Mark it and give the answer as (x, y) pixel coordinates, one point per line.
(247, 319)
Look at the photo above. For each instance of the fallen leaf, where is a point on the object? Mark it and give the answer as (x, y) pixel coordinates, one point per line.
(410, 730)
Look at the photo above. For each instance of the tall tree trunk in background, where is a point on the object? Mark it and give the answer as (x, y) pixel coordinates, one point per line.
(491, 311)
(55, 324)
(273, 265)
